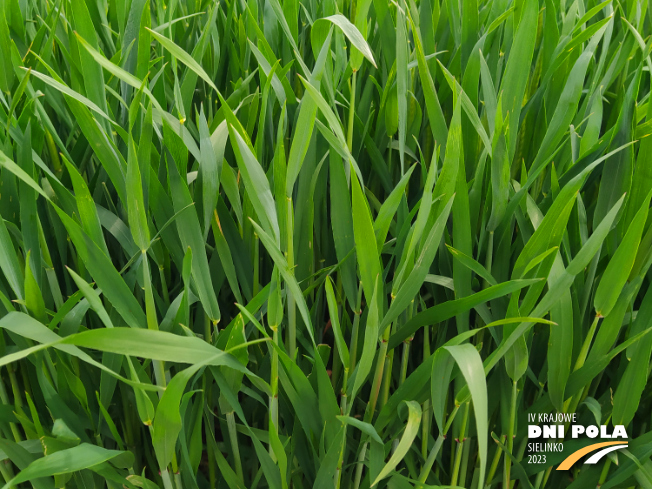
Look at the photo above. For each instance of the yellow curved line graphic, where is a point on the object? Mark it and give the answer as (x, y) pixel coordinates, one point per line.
(575, 456)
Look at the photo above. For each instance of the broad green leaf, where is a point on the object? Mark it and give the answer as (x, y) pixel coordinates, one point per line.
(269, 468)
(472, 264)
(366, 428)
(211, 169)
(342, 227)
(167, 421)
(449, 309)
(433, 107)
(9, 260)
(25, 326)
(577, 265)
(370, 343)
(617, 271)
(469, 362)
(568, 101)
(329, 464)
(183, 56)
(514, 79)
(191, 237)
(335, 323)
(33, 295)
(135, 201)
(71, 93)
(401, 82)
(288, 276)
(305, 123)
(73, 459)
(411, 430)
(632, 384)
(257, 184)
(365, 243)
(86, 207)
(361, 12)
(390, 206)
(92, 72)
(420, 268)
(353, 34)
(560, 344)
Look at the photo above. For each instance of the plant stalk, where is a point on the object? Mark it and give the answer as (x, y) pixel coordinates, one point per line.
(460, 446)
(360, 465)
(510, 435)
(494, 465)
(233, 438)
(581, 358)
(378, 377)
(5, 400)
(273, 401)
(355, 330)
(291, 341)
(432, 456)
(256, 285)
(349, 135)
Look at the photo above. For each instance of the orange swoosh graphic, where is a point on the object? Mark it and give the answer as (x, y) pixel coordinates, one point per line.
(575, 456)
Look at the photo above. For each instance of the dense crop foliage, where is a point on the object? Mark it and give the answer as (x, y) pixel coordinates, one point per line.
(328, 244)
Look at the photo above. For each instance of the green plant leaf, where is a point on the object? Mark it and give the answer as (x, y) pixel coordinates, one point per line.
(71, 460)
(411, 430)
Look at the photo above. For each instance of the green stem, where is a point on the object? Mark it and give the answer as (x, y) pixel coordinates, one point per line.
(427, 416)
(404, 362)
(152, 323)
(378, 377)
(389, 157)
(207, 329)
(387, 379)
(177, 480)
(388, 373)
(572, 403)
(5, 400)
(494, 466)
(5, 471)
(273, 401)
(490, 252)
(349, 136)
(545, 478)
(581, 358)
(432, 456)
(425, 428)
(54, 155)
(167, 482)
(358, 469)
(256, 285)
(340, 461)
(521, 449)
(292, 313)
(510, 435)
(343, 397)
(427, 466)
(164, 285)
(406, 348)
(460, 446)
(233, 438)
(466, 447)
(159, 368)
(209, 430)
(605, 472)
(354, 332)
(335, 371)
(15, 388)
